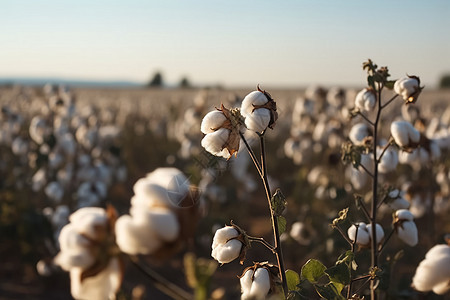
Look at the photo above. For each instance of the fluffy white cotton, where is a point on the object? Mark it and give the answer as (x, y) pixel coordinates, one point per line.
(398, 201)
(256, 120)
(212, 121)
(359, 132)
(225, 246)
(365, 100)
(407, 87)
(214, 142)
(299, 232)
(404, 133)
(405, 227)
(433, 273)
(102, 286)
(389, 160)
(362, 236)
(379, 232)
(255, 284)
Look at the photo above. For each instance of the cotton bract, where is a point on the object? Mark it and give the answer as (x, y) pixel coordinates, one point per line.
(433, 273)
(225, 246)
(255, 284)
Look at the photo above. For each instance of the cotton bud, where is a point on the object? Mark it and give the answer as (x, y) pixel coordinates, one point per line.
(360, 133)
(259, 281)
(365, 100)
(408, 88)
(388, 161)
(228, 244)
(405, 227)
(433, 273)
(222, 132)
(259, 110)
(404, 134)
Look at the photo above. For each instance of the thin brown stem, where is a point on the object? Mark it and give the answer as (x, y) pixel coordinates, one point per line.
(366, 170)
(384, 149)
(364, 209)
(343, 234)
(365, 118)
(362, 285)
(252, 155)
(262, 241)
(389, 101)
(386, 240)
(161, 283)
(276, 233)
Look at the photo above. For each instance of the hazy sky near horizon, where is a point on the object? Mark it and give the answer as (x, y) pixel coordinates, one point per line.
(274, 43)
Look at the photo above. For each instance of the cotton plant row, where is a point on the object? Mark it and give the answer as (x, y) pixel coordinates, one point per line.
(96, 242)
(70, 156)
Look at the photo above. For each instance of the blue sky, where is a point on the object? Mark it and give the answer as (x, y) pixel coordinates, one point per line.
(275, 43)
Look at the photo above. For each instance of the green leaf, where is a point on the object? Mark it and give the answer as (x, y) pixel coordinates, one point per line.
(292, 279)
(312, 270)
(278, 202)
(328, 292)
(281, 224)
(339, 273)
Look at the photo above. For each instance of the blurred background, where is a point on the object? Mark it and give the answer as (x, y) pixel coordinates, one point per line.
(95, 95)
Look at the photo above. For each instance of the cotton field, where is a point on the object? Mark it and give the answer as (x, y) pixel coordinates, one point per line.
(258, 193)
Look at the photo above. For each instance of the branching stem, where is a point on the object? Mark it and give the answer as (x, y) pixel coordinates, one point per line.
(161, 283)
(262, 241)
(365, 118)
(252, 155)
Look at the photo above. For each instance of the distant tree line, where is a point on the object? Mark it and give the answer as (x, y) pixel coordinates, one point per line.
(157, 81)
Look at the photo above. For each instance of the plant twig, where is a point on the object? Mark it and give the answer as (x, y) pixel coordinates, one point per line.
(161, 283)
(384, 149)
(386, 240)
(276, 234)
(365, 118)
(364, 209)
(343, 234)
(366, 170)
(262, 241)
(389, 101)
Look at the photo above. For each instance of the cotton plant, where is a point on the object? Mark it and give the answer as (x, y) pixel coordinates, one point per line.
(372, 159)
(224, 131)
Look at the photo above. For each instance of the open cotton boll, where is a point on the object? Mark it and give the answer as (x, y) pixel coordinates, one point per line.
(211, 121)
(255, 284)
(389, 160)
(173, 180)
(90, 221)
(225, 246)
(254, 98)
(408, 88)
(149, 194)
(362, 237)
(433, 273)
(359, 132)
(102, 286)
(258, 120)
(134, 238)
(407, 232)
(365, 100)
(160, 220)
(379, 232)
(215, 142)
(404, 133)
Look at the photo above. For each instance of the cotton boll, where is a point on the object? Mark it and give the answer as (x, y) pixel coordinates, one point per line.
(362, 237)
(102, 286)
(359, 133)
(134, 238)
(214, 142)
(212, 121)
(90, 221)
(225, 246)
(407, 232)
(408, 88)
(433, 273)
(258, 120)
(365, 100)
(379, 232)
(255, 285)
(404, 133)
(389, 160)
(160, 220)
